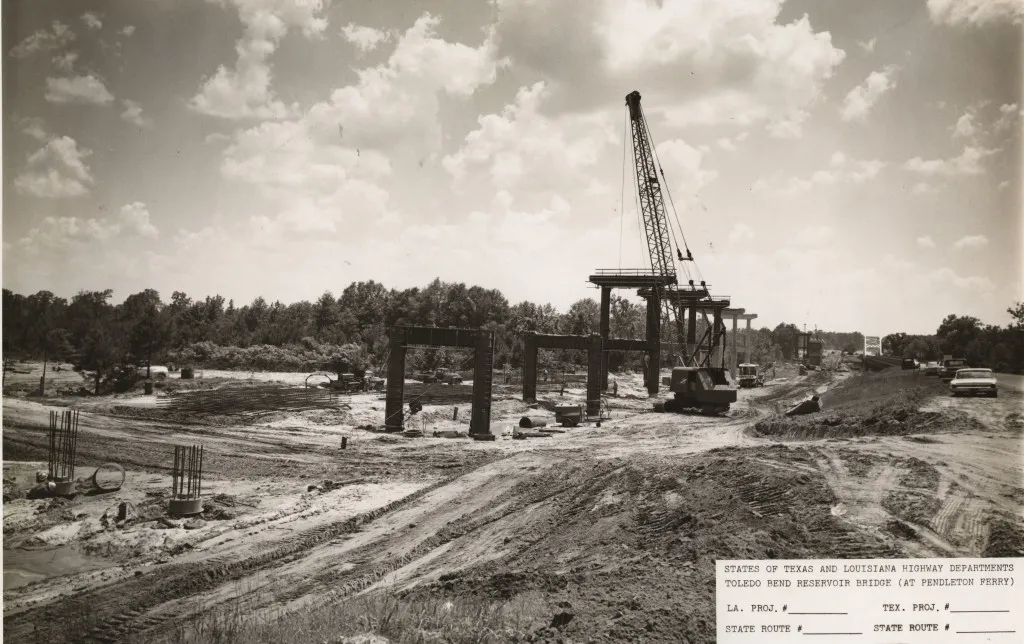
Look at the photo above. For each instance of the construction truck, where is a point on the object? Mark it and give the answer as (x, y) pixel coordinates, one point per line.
(749, 376)
(709, 390)
(353, 382)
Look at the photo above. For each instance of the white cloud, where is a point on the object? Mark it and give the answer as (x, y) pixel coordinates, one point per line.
(815, 235)
(1009, 114)
(739, 63)
(685, 167)
(522, 147)
(965, 127)
(135, 219)
(975, 12)
(945, 277)
(133, 114)
(926, 242)
(740, 232)
(790, 126)
(56, 170)
(868, 46)
(79, 89)
(365, 38)
(1003, 185)
(127, 30)
(844, 171)
(862, 98)
(92, 20)
(972, 242)
(54, 233)
(924, 188)
(34, 128)
(968, 163)
(56, 37)
(65, 62)
(726, 144)
(245, 91)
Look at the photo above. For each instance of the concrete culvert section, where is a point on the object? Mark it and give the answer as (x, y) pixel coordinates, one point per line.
(529, 422)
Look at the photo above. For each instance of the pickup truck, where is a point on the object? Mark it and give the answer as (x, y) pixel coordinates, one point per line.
(949, 368)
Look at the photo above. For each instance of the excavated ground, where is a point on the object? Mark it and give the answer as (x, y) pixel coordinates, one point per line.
(611, 531)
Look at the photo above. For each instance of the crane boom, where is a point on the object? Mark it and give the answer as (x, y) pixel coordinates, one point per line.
(652, 204)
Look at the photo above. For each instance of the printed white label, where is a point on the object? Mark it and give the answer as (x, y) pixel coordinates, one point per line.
(881, 601)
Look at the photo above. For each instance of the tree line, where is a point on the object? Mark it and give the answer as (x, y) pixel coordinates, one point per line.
(332, 333)
(964, 336)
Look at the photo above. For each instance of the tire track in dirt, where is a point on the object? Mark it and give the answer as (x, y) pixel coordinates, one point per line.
(124, 608)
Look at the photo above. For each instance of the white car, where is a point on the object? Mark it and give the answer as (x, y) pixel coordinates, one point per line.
(974, 382)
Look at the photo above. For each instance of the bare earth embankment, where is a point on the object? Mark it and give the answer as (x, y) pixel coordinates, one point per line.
(594, 534)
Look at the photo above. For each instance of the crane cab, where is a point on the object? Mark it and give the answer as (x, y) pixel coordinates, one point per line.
(708, 389)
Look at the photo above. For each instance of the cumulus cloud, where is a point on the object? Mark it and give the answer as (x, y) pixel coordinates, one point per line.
(364, 38)
(522, 147)
(862, 98)
(975, 12)
(1009, 115)
(133, 114)
(739, 62)
(135, 219)
(926, 242)
(56, 170)
(92, 20)
(965, 127)
(967, 163)
(65, 62)
(33, 127)
(57, 36)
(924, 188)
(844, 171)
(55, 233)
(79, 89)
(127, 30)
(971, 242)
(245, 91)
(868, 46)
(944, 277)
(790, 126)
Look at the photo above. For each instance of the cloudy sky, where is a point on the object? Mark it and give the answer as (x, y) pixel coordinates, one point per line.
(846, 164)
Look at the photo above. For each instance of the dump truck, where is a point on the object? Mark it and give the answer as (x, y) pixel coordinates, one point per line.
(748, 376)
(708, 389)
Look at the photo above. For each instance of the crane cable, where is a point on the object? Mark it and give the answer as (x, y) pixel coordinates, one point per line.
(675, 212)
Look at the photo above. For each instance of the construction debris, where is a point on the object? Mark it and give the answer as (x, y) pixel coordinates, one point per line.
(529, 422)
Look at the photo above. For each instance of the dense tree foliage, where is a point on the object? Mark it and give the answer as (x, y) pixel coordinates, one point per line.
(349, 331)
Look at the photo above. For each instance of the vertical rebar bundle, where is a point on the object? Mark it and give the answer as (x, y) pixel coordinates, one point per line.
(63, 444)
(187, 476)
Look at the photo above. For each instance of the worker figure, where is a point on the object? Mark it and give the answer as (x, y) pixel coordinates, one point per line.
(615, 387)
(545, 375)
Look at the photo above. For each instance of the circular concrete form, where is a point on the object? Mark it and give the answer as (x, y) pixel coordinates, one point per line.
(185, 507)
(63, 488)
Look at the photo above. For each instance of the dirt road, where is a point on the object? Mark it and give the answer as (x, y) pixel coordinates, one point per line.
(594, 516)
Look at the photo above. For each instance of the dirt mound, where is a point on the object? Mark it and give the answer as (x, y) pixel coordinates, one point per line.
(631, 546)
(896, 415)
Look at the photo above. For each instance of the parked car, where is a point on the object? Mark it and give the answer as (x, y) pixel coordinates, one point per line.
(908, 363)
(974, 382)
(931, 369)
(949, 368)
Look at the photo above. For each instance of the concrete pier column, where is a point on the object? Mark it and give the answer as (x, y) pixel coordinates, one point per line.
(716, 357)
(483, 375)
(606, 302)
(394, 414)
(734, 347)
(652, 375)
(594, 352)
(529, 367)
(691, 332)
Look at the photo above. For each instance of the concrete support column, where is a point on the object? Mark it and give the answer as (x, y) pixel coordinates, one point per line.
(529, 367)
(716, 339)
(734, 348)
(594, 375)
(394, 414)
(606, 303)
(483, 375)
(746, 342)
(652, 374)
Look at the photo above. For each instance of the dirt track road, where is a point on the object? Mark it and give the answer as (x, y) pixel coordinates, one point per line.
(431, 508)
